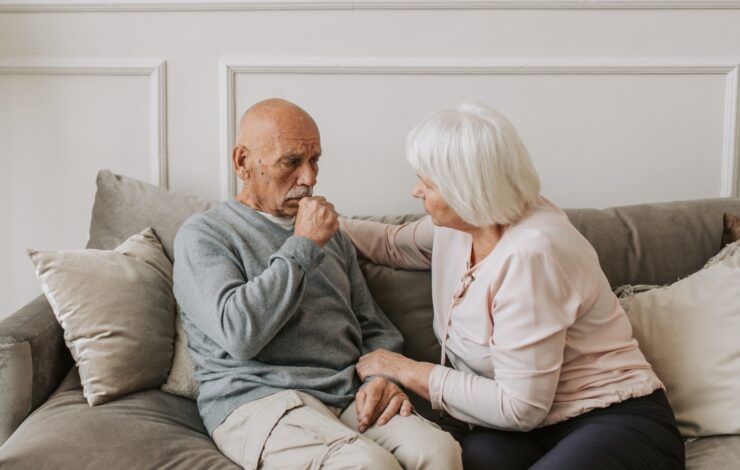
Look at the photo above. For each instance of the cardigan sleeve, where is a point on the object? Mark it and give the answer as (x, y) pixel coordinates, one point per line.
(532, 309)
(406, 246)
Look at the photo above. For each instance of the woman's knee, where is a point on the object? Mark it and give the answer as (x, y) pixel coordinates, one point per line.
(500, 449)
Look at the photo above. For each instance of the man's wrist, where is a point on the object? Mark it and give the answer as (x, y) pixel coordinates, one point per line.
(389, 378)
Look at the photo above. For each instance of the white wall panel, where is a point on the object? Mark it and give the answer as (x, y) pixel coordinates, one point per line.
(597, 133)
(58, 127)
(633, 100)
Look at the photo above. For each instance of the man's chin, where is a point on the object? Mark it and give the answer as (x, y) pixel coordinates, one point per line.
(290, 207)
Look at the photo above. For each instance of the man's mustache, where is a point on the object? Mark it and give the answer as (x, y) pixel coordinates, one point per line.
(299, 192)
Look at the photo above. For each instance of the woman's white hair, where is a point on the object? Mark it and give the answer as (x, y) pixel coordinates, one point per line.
(477, 161)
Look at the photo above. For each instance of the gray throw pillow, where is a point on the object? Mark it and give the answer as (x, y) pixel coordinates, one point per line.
(117, 312)
(125, 206)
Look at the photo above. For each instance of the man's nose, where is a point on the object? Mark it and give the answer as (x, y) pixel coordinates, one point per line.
(307, 175)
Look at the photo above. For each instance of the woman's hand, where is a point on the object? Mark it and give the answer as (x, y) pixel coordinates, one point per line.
(413, 375)
(383, 362)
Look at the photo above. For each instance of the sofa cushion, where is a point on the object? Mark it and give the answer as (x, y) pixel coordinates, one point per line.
(654, 243)
(730, 229)
(144, 430)
(181, 379)
(405, 296)
(33, 361)
(713, 453)
(689, 333)
(117, 311)
(125, 206)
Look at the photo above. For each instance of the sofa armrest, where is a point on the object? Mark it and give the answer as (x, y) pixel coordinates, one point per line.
(33, 361)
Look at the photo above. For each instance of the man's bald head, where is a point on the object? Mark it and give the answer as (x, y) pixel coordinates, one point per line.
(276, 156)
(270, 120)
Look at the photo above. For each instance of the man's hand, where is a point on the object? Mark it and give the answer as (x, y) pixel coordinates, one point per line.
(380, 400)
(316, 219)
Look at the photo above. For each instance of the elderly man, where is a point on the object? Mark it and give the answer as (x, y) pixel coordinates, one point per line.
(277, 313)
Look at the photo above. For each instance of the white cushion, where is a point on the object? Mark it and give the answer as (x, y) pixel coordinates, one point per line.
(181, 381)
(690, 332)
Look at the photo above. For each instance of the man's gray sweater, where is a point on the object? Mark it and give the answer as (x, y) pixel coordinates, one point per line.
(266, 311)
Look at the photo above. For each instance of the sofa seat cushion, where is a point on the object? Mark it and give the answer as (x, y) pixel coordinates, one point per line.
(144, 430)
(710, 453)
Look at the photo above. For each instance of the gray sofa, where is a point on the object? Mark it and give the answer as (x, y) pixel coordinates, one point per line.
(46, 423)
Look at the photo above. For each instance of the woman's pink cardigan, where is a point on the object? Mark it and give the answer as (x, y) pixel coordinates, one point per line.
(533, 331)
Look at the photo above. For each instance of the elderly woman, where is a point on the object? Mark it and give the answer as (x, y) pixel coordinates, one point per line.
(537, 354)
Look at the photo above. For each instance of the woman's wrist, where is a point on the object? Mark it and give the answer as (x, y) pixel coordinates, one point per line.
(415, 377)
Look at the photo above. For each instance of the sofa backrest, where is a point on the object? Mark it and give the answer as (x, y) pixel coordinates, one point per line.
(640, 244)
(654, 243)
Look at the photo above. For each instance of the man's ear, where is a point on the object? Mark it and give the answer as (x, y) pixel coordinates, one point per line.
(239, 157)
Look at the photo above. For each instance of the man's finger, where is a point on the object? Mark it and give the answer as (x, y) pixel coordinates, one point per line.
(366, 415)
(373, 396)
(389, 390)
(359, 402)
(406, 407)
(392, 409)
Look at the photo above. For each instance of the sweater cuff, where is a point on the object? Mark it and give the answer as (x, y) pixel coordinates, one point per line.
(437, 379)
(390, 379)
(302, 250)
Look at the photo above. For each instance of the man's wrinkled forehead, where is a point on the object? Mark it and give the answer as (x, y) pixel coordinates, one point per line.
(290, 144)
(277, 120)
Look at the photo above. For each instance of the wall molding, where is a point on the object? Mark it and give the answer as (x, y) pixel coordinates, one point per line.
(155, 70)
(726, 67)
(45, 6)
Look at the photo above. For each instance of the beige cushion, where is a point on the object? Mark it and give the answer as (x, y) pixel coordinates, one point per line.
(713, 453)
(180, 380)
(117, 311)
(689, 333)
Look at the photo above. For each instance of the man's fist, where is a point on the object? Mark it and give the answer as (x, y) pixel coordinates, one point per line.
(316, 219)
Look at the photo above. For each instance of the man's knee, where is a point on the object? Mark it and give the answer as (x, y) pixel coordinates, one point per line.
(429, 447)
(361, 454)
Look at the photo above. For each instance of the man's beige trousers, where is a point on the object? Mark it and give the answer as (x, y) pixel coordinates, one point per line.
(293, 430)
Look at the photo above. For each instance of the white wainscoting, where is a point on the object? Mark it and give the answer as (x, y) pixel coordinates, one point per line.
(726, 160)
(52, 149)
